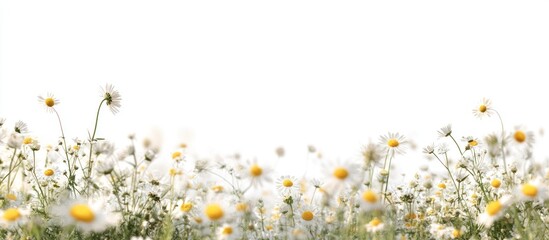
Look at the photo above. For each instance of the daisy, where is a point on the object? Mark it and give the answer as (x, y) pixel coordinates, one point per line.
(371, 154)
(257, 173)
(495, 183)
(374, 225)
(49, 101)
(15, 140)
(341, 175)
(228, 231)
(494, 210)
(307, 216)
(471, 141)
(523, 137)
(445, 131)
(13, 218)
(531, 191)
(86, 215)
(20, 127)
(370, 200)
(484, 109)
(286, 185)
(112, 98)
(393, 142)
(216, 210)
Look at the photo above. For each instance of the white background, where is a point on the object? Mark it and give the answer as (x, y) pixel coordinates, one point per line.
(248, 76)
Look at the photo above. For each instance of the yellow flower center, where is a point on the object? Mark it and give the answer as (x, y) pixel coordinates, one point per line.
(186, 207)
(493, 208)
(227, 231)
(11, 196)
(49, 172)
(82, 213)
(198, 220)
(369, 196)
(27, 140)
(393, 143)
(520, 136)
(473, 142)
(375, 222)
(241, 207)
(529, 190)
(442, 185)
(496, 183)
(11, 214)
(76, 147)
(341, 173)
(49, 102)
(214, 211)
(307, 215)
(482, 108)
(174, 172)
(176, 155)
(287, 183)
(217, 189)
(255, 170)
(456, 233)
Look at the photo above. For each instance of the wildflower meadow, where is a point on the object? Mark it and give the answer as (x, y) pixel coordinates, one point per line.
(83, 187)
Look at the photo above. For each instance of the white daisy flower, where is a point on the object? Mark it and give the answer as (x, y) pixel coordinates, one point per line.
(258, 173)
(307, 216)
(286, 185)
(228, 232)
(445, 131)
(112, 98)
(484, 109)
(494, 210)
(86, 215)
(375, 225)
(13, 218)
(393, 142)
(15, 140)
(341, 175)
(20, 127)
(370, 200)
(49, 101)
(532, 191)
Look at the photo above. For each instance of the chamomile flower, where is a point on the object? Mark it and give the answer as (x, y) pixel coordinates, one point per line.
(493, 211)
(471, 141)
(49, 101)
(216, 210)
(257, 173)
(13, 218)
(531, 191)
(341, 175)
(484, 109)
(375, 225)
(20, 127)
(307, 216)
(370, 200)
(445, 131)
(228, 231)
(112, 98)
(393, 142)
(287, 185)
(86, 215)
(522, 137)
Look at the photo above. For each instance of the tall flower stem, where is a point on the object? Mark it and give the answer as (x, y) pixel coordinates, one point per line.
(502, 142)
(92, 141)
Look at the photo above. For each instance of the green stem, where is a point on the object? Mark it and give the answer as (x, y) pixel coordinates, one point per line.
(459, 148)
(10, 169)
(502, 142)
(92, 140)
